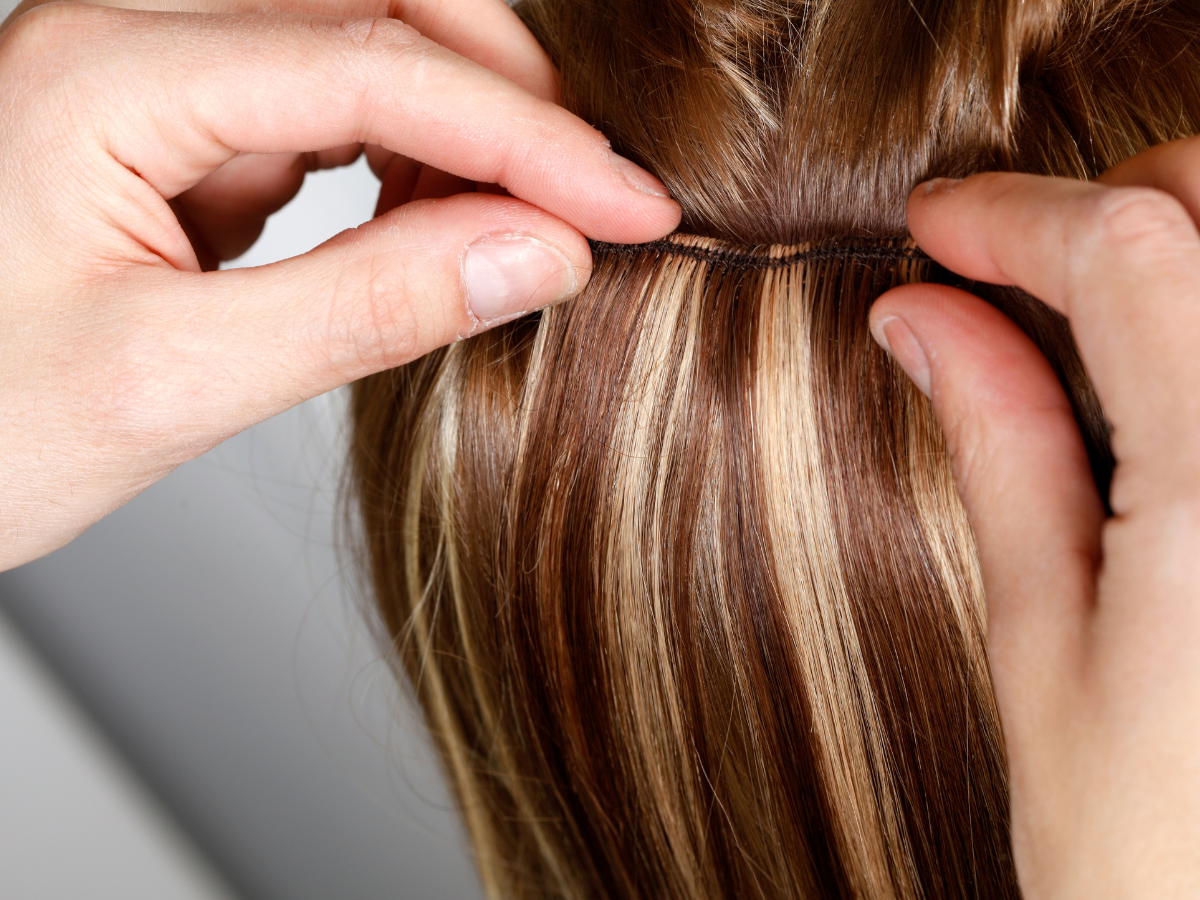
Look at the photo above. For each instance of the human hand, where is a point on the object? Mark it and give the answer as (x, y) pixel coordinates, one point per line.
(1093, 622)
(120, 357)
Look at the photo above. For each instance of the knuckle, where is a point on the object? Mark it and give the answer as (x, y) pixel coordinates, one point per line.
(971, 454)
(381, 36)
(373, 323)
(45, 28)
(48, 57)
(1142, 224)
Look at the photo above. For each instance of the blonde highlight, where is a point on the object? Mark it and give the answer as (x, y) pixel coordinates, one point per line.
(677, 570)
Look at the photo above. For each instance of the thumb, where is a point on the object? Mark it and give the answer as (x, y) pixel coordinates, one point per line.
(1022, 471)
(377, 296)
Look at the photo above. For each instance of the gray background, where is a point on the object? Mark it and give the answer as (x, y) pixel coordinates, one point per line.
(208, 629)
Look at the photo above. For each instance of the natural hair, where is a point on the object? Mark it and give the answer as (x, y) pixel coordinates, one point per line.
(677, 570)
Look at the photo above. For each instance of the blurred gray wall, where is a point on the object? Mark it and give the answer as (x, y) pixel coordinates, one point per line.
(208, 628)
(74, 821)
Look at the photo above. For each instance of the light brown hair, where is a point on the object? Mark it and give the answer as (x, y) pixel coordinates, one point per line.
(677, 570)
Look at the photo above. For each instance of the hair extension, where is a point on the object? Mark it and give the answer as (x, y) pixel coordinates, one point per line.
(676, 570)
(729, 257)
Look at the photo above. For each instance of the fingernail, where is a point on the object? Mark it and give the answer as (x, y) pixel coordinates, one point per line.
(637, 177)
(941, 185)
(509, 275)
(894, 336)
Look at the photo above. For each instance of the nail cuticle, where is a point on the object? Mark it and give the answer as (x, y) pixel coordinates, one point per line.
(635, 176)
(505, 276)
(895, 336)
(941, 186)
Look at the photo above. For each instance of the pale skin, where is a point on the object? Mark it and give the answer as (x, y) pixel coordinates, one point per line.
(1093, 621)
(122, 357)
(139, 147)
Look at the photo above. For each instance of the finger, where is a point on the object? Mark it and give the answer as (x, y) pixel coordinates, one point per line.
(397, 181)
(226, 85)
(207, 259)
(1042, 233)
(403, 180)
(1172, 167)
(1123, 264)
(374, 297)
(412, 181)
(487, 32)
(433, 184)
(227, 210)
(378, 158)
(1022, 471)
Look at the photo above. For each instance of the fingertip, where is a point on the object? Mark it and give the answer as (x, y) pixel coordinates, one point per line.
(892, 332)
(636, 221)
(459, 265)
(1019, 463)
(606, 196)
(921, 211)
(651, 212)
(919, 307)
(636, 177)
(895, 301)
(949, 323)
(509, 256)
(935, 188)
(953, 220)
(634, 224)
(656, 222)
(506, 276)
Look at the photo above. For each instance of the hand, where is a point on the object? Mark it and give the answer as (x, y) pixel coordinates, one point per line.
(124, 132)
(1093, 622)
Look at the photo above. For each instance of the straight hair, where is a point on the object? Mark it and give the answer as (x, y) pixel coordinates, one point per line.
(677, 570)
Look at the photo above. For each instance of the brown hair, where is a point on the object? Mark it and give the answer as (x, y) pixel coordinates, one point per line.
(677, 569)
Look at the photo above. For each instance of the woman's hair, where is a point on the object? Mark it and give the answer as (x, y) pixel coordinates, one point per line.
(677, 569)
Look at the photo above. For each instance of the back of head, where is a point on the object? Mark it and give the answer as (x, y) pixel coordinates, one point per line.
(782, 121)
(677, 570)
